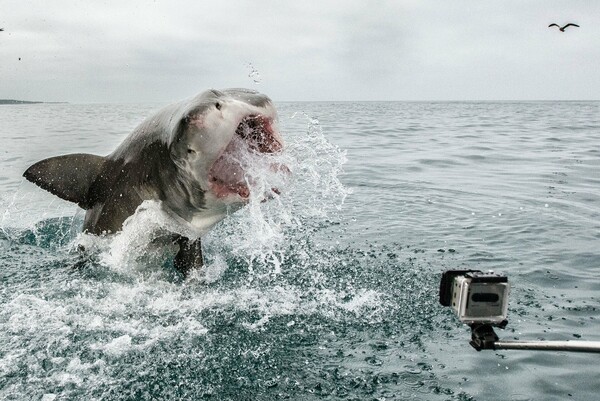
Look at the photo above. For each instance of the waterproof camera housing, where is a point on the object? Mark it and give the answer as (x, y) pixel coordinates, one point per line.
(476, 297)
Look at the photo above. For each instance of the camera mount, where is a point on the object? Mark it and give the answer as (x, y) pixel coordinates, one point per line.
(484, 337)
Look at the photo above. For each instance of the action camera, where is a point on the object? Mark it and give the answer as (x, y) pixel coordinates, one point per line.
(476, 297)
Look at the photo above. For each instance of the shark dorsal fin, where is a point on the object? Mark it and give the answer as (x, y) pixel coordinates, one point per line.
(69, 177)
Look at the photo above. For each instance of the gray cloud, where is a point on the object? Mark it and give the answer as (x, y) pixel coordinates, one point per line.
(140, 51)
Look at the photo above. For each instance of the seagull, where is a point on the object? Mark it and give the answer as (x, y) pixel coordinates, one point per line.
(564, 27)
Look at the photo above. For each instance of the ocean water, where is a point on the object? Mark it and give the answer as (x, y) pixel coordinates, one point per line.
(329, 291)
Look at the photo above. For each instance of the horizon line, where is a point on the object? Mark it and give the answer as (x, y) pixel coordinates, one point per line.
(31, 102)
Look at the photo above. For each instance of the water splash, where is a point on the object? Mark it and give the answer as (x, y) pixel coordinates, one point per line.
(20, 221)
(258, 234)
(253, 73)
(319, 174)
(144, 242)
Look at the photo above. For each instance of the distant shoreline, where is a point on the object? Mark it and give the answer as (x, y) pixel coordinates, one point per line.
(13, 101)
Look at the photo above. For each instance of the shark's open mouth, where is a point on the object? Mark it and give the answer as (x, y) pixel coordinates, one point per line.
(254, 141)
(258, 132)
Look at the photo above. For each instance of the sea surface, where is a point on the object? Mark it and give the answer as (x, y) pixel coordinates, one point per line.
(330, 290)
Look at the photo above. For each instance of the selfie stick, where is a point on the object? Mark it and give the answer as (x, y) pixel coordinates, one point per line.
(484, 337)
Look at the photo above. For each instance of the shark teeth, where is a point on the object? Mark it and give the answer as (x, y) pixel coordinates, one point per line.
(258, 132)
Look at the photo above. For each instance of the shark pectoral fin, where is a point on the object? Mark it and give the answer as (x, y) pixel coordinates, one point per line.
(69, 177)
(189, 256)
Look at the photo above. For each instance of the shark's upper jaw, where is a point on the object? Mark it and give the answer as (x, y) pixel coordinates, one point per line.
(255, 135)
(258, 132)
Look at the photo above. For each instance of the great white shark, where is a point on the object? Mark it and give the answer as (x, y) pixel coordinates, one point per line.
(185, 156)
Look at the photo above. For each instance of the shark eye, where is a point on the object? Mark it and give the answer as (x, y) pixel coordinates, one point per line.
(218, 106)
(190, 151)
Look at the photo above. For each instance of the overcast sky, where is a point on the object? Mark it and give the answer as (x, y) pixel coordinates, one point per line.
(165, 50)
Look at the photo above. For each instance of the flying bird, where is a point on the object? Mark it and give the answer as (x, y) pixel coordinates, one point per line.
(564, 27)
(1, 29)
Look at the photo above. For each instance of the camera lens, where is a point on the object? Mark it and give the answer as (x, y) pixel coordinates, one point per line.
(485, 297)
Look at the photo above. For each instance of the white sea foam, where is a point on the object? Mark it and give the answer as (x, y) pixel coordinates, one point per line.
(123, 309)
(115, 347)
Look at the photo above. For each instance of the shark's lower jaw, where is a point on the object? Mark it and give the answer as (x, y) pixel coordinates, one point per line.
(254, 139)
